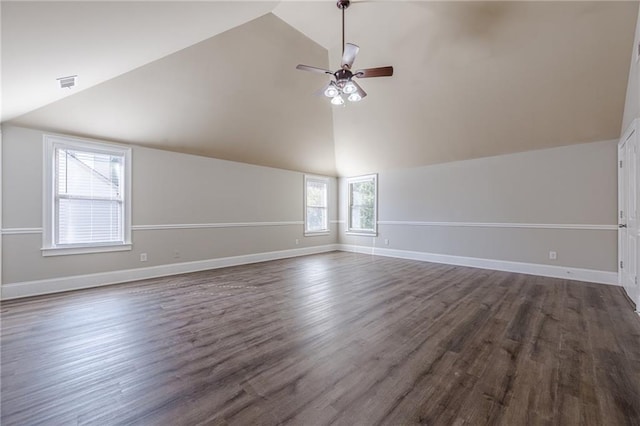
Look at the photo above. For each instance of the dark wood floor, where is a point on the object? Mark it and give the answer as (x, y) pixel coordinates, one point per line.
(335, 338)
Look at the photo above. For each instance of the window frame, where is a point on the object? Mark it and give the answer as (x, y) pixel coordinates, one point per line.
(51, 144)
(360, 231)
(325, 181)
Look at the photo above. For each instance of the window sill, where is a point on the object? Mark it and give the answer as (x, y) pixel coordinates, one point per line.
(363, 233)
(63, 251)
(316, 233)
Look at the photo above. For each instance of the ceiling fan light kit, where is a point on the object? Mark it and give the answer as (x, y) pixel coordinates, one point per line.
(343, 84)
(349, 88)
(337, 100)
(332, 90)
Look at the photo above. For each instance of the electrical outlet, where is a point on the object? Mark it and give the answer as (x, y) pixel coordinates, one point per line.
(386, 241)
(553, 255)
(143, 257)
(297, 241)
(176, 254)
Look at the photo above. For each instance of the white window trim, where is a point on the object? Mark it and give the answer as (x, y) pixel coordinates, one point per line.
(324, 180)
(51, 142)
(357, 231)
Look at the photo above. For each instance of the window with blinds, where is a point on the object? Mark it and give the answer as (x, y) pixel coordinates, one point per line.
(316, 219)
(89, 203)
(89, 197)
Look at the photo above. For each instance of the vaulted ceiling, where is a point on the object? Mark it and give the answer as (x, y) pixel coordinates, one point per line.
(472, 79)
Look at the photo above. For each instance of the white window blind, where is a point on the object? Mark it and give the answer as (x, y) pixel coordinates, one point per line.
(316, 205)
(87, 201)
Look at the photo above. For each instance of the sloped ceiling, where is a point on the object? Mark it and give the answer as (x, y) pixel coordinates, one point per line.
(227, 97)
(471, 79)
(42, 41)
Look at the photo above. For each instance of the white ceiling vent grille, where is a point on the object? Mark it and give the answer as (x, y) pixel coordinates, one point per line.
(67, 82)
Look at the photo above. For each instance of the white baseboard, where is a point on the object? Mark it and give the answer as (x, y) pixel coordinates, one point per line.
(56, 285)
(578, 274)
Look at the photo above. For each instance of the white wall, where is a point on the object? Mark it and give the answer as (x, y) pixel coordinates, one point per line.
(168, 189)
(513, 208)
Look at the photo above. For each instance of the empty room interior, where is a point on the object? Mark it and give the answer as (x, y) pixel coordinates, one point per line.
(320, 212)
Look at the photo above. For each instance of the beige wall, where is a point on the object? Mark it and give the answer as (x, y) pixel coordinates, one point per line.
(168, 189)
(632, 102)
(573, 185)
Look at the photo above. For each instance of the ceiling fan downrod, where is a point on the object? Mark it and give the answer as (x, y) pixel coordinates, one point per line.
(342, 5)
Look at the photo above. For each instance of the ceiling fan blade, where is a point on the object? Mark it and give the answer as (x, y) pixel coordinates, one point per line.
(349, 55)
(374, 72)
(313, 69)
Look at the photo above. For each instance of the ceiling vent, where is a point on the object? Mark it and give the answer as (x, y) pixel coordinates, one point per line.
(67, 82)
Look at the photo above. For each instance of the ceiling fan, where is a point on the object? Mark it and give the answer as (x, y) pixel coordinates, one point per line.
(343, 83)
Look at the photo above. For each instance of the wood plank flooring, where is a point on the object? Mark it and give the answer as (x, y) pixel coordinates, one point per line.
(337, 338)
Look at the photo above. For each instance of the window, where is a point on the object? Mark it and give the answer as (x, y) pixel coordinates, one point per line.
(362, 196)
(316, 219)
(87, 198)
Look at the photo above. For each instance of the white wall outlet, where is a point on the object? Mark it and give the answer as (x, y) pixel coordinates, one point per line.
(386, 241)
(143, 257)
(553, 255)
(297, 241)
(176, 254)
